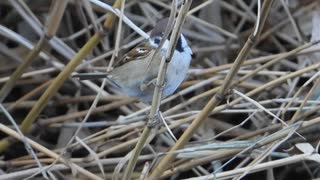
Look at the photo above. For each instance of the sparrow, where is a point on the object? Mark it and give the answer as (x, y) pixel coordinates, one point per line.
(135, 74)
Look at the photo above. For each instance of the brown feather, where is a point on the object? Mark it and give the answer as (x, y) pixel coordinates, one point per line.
(136, 54)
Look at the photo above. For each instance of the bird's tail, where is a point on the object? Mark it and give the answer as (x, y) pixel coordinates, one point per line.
(90, 76)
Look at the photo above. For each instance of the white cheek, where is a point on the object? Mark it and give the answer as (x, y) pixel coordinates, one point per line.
(153, 44)
(164, 46)
(185, 45)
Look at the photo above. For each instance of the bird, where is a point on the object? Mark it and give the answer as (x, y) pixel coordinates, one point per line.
(135, 73)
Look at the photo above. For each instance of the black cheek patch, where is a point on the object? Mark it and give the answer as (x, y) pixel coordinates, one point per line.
(179, 45)
(157, 40)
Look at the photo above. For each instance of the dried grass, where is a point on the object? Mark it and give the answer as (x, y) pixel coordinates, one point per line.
(264, 115)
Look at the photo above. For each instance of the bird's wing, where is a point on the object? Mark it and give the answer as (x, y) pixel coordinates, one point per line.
(138, 53)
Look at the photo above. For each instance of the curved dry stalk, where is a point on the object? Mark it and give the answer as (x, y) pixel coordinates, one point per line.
(6, 88)
(298, 112)
(53, 88)
(259, 167)
(49, 153)
(268, 85)
(214, 37)
(61, 78)
(83, 113)
(262, 88)
(53, 22)
(26, 144)
(215, 100)
(258, 60)
(160, 80)
(29, 95)
(277, 59)
(224, 153)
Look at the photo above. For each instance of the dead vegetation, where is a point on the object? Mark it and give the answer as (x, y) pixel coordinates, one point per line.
(249, 107)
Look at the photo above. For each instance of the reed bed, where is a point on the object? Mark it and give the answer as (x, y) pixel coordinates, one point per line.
(248, 109)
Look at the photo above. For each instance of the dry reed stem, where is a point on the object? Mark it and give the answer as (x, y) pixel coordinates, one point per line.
(49, 153)
(52, 89)
(156, 100)
(29, 95)
(6, 88)
(215, 100)
(53, 22)
(280, 73)
(230, 152)
(60, 79)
